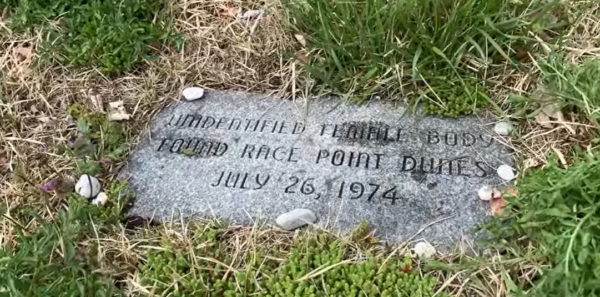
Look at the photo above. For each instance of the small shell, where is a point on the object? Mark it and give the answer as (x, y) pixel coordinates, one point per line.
(87, 186)
(193, 93)
(506, 172)
(424, 250)
(487, 193)
(101, 199)
(503, 128)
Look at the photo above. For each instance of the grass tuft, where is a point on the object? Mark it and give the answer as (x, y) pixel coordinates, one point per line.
(396, 47)
(574, 86)
(113, 35)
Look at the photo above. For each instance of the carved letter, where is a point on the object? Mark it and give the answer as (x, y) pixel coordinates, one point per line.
(162, 143)
(377, 159)
(179, 142)
(265, 150)
(488, 142)
(468, 139)
(243, 184)
(283, 126)
(171, 120)
(192, 118)
(292, 154)
(221, 120)
(206, 122)
(373, 133)
(275, 151)
(405, 164)
(483, 172)
(322, 155)
(221, 149)
(264, 124)
(339, 154)
(432, 137)
(461, 167)
(455, 138)
(367, 157)
(422, 166)
(261, 183)
(234, 182)
(233, 122)
(352, 132)
(249, 148)
(218, 181)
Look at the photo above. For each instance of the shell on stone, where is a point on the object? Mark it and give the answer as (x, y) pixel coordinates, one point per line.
(503, 128)
(100, 199)
(87, 186)
(296, 219)
(487, 193)
(506, 172)
(424, 250)
(193, 93)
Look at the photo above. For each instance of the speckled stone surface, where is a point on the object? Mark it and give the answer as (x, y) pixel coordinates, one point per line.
(244, 157)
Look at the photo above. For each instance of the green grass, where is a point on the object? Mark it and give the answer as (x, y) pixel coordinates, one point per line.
(98, 142)
(316, 265)
(51, 260)
(61, 258)
(113, 35)
(574, 87)
(363, 47)
(556, 219)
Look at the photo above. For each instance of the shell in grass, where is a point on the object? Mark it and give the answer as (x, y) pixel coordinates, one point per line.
(88, 186)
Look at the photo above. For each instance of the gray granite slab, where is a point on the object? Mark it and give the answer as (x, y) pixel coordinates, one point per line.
(244, 157)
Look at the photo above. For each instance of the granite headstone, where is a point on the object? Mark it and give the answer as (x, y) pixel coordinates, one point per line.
(246, 157)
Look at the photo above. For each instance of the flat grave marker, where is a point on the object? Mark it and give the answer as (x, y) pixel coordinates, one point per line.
(244, 157)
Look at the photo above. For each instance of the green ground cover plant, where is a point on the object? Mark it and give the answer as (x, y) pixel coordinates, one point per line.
(113, 35)
(377, 46)
(50, 261)
(316, 265)
(98, 142)
(556, 218)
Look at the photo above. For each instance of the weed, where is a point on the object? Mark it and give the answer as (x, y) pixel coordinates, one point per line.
(28, 13)
(50, 260)
(113, 35)
(98, 141)
(574, 86)
(374, 46)
(556, 217)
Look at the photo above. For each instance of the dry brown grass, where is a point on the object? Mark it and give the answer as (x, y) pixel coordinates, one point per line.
(220, 51)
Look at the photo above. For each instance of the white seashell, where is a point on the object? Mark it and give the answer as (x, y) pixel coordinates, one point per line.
(296, 219)
(503, 128)
(117, 111)
(87, 186)
(424, 250)
(506, 172)
(193, 93)
(101, 199)
(487, 193)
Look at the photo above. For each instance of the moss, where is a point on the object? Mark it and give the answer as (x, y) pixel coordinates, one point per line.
(316, 265)
(457, 98)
